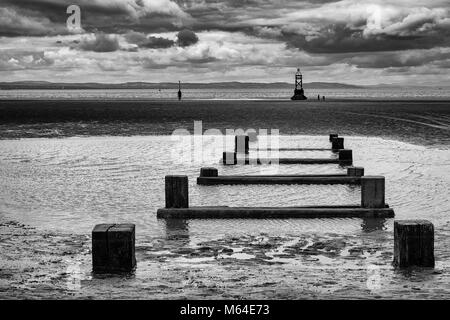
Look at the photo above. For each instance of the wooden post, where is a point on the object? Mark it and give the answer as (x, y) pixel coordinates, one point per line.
(177, 192)
(355, 171)
(413, 243)
(241, 144)
(345, 156)
(209, 172)
(252, 135)
(333, 135)
(337, 143)
(113, 248)
(229, 158)
(100, 258)
(372, 192)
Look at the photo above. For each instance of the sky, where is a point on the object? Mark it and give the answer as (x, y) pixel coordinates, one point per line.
(403, 42)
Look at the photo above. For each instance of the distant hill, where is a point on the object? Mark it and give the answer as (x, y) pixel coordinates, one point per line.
(329, 85)
(417, 87)
(167, 85)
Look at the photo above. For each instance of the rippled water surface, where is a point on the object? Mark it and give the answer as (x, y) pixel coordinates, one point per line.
(230, 94)
(53, 191)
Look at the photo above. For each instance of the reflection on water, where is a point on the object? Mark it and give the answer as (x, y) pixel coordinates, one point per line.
(71, 184)
(177, 229)
(75, 183)
(63, 187)
(373, 224)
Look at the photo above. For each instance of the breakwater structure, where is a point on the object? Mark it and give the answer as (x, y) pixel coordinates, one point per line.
(210, 176)
(241, 154)
(372, 205)
(372, 189)
(113, 245)
(336, 145)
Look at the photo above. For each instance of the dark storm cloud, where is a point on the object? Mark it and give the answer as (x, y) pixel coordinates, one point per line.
(344, 28)
(252, 36)
(326, 34)
(54, 11)
(101, 43)
(342, 39)
(150, 63)
(186, 38)
(99, 15)
(399, 59)
(157, 42)
(14, 23)
(106, 7)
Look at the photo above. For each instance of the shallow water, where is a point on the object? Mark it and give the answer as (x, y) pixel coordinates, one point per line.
(417, 122)
(230, 94)
(53, 191)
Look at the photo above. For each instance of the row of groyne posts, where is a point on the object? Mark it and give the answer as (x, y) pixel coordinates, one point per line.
(113, 245)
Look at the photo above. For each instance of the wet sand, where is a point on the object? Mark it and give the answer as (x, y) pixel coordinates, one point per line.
(332, 266)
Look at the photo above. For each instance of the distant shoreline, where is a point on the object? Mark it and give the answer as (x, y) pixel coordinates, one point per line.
(44, 85)
(278, 100)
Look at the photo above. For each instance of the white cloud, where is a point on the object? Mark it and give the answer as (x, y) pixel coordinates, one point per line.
(139, 8)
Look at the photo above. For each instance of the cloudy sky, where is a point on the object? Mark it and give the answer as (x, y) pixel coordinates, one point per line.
(349, 41)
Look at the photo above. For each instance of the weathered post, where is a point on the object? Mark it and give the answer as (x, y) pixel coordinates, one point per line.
(209, 172)
(241, 144)
(372, 192)
(100, 257)
(177, 192)
(229, 158)
(355, 171)
(337, 143)
(345, 156)
(333, 135)
(113, 248)
(413, 243)
(252, 135)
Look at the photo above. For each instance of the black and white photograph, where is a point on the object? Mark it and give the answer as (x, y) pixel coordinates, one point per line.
(224, 150)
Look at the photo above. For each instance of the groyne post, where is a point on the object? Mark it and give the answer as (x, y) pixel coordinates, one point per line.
(241, 144)
(209, 172)
(337, 143)
(177, 192)
(252, 135)
(355, 171)
(333, 135)
(372, 191)
(346, 156)
(113, 248)
(413, 243)
(229, 158)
